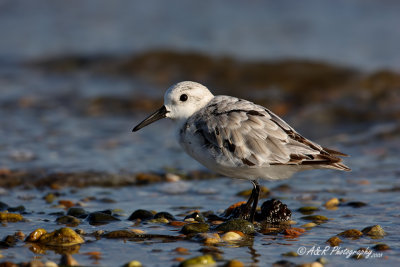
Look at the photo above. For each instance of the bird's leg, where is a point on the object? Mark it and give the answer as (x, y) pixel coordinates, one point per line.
(256, 191)
(249, 209)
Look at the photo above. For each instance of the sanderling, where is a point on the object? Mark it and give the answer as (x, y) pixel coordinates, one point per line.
(239, 139)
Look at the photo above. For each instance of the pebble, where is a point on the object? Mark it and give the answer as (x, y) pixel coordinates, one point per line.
(50, 264)
(236, 225)
(231, 236)
(351, 233)
(96, 218)
(209, 238)
(334, 241)
(308, 209)
(16, 209)
(133, 264)
(182, 251)
(290, 254)
(49, 198)
(381, 247)
(141, 214)
(68, 220)
(357, 204)
(35, 235)
(309, 225)
(159, 220)
(204, 260)
(60, 237)
(234, 263)
(77, 212)
(120, 234)
(375, 231)
(177, 223)
(194, 228)
(138, 231)
(315, 218)
(311, 264)
(165, 215)
(284, 263)
(293, 232)
(10, 217)
(196, 216)
(332, 203)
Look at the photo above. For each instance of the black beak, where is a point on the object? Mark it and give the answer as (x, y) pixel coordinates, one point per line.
(158, 115)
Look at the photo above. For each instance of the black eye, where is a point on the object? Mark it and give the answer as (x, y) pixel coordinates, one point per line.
(183, 97)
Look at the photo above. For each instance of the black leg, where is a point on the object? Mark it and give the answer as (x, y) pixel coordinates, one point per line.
(256, 191)
(248, 211)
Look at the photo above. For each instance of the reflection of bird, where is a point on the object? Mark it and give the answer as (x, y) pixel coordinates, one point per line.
(239, 139)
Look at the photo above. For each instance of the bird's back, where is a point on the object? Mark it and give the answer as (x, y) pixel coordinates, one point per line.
(238, 138)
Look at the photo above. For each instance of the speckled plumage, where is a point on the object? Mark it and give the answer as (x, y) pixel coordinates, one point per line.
(238, 138)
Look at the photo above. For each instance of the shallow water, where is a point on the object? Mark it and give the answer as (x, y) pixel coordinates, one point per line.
(374, 181)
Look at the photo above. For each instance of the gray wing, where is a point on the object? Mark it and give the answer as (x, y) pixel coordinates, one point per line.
(248, 134)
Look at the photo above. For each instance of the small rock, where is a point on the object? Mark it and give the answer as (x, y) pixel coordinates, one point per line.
(351, 233)
(205, 260)
(165, 215)
(375, 231)
(68, 220)
(97, 218)
(274, 211)
(311, 264)
(147, 178)
(9, 241)
(236, 225)
(308, 209)
(49, 198)
(16, 209)
(234, 263)
(284, 263)
(323, 260)
(290, 254)
(133, 264)
(315, 218)
(77, 212)
(231, 236)
(194, 228)
(196, 216)
(68, 260)
(120, 234)
(61, 237)
(309, 225)
(177, 223)
(356, 204)
(66, 203)
(332, 203)
(10, 217)
(159, 220)
(35, 235)
(182, 251)
(381, 247)
(50, 264)
(293, 232)
(141, 214)
(35, 263)
(334, 241)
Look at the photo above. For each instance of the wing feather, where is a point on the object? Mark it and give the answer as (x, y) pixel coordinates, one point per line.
(247, 134)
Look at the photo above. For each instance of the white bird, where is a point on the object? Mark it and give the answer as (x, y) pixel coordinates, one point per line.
(239, 139)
